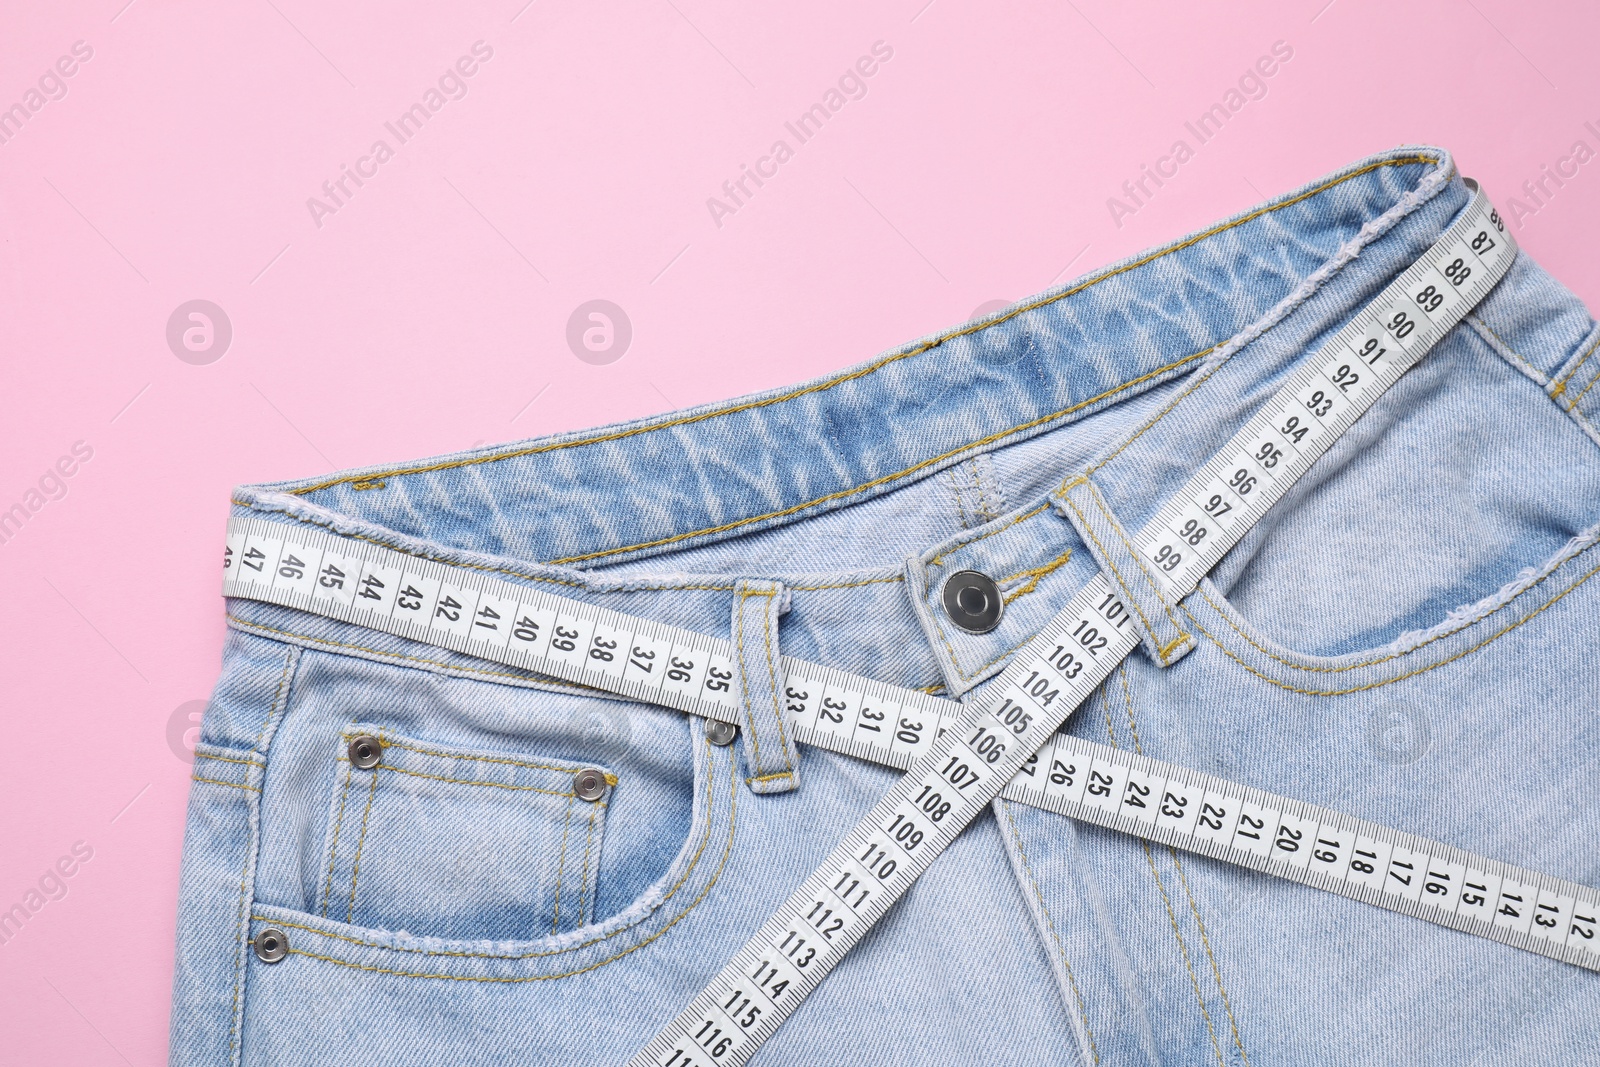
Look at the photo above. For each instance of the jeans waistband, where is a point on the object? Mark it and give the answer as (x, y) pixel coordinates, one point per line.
(1162, 327)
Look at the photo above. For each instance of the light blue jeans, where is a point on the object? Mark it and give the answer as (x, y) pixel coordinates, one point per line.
(1409, 637)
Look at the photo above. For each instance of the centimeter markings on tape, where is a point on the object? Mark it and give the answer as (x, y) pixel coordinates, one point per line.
(973, 753)
(1062, 665)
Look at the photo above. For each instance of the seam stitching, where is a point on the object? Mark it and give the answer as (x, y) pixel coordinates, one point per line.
(1194, 979)
(1573, 403)
(338, 825)
(1033, 575)
(235, 1021)
(470, 781)
(1340, 669)
(1401, 677)
(1539, 377)
(1194, 908)
(1216, 970)
(694, 862)
(1132, 600)
(228, 759)
(871, 368)
(1061, 950)
(583, 886)
(561, 869)
(476, 759)
(716, 875)
(361, 842)
(218, 781)
(1566, 378)
(1183, 948)
(1116, 528)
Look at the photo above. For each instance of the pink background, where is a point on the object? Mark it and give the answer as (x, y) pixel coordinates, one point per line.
(429, 312)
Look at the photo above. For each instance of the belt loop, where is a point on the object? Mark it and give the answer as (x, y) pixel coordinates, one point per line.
(770, 756)
(1160, 630)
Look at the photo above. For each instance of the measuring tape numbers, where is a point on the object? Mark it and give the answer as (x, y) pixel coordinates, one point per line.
(960, 757)
(1064, 664)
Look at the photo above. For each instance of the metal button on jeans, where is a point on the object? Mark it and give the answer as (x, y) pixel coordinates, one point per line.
(589, 784)
(271, 945)
(365, 751)
(719, 732)
(973, 601)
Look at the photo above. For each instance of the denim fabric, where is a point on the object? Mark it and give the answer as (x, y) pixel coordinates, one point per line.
(1408, 637)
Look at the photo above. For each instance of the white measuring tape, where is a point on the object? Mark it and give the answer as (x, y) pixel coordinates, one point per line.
(960, 757)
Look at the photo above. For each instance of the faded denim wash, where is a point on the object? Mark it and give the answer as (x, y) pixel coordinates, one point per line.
(1409, 637)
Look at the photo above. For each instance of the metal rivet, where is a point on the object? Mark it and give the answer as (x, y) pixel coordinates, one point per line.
(589, 784)
(271, 945)
(973, 601)
(365, 751)
(719, 732)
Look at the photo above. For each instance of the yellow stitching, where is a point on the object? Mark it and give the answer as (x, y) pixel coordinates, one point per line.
(1116, 528)
(1401, 677)
(482, 759)
(941, 557)
(333, 850)
(540, 679)
(1061, 950)
(769, 623)
(1577, 399)
(843, 493)
(733, 819)
(1167, 649)
(1194, 908)
(871, 367)
(938, 626)
(1216, 971)
(371, 484)
(583, 886)
(361, 842)
(1222, 614)
(611, 779)
(852, 585)
(1034, 574)
(693, 863)
(1567, 377)
(1127, 695)
(1183, 948)
(757, 518)
(561, 868)
(229, 759)
(770, 777)
(470, 781)
(230, 785)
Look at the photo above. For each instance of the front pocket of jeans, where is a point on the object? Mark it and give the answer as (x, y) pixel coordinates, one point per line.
(450, 842)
